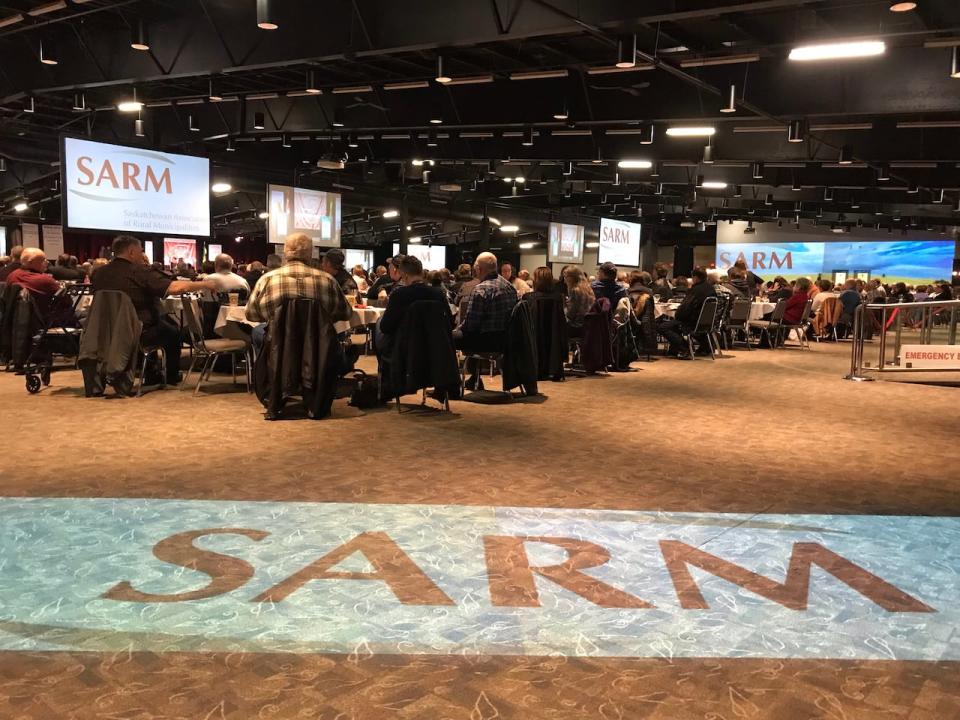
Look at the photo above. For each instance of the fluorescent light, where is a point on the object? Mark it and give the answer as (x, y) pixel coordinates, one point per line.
(352, 89)
(902, 6)
(634, 164)
(264, 215)
(390, 213)
(714, 185)
(470, 80)
(407, 85)
(520, 179)
(720, 60)
(836, 51)
(415, 240)
(10, 20)
(20, 205)
(494, 221)
(539, 74)
(527, 246)
(509, 228)
(221, 186)
(129, 106)
(593, 245)
(691, 131)
(47, 8)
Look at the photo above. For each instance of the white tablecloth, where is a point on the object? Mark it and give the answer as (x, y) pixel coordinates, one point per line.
(237, 314)
(757, 309)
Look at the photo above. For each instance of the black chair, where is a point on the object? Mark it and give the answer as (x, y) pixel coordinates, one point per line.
(551, 335)
(772, 329)
(703, 327)
(738, 321)
(800, 327)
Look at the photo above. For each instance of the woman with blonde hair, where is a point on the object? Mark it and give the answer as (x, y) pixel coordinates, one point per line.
(580, 299)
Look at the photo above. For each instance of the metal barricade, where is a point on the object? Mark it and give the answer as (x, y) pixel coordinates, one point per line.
(932, 321)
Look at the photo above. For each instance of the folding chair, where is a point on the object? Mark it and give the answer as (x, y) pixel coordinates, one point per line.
(209, 350)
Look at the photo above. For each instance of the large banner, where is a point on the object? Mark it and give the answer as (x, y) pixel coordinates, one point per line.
(125, 189)
(53, 241)
(619, 242)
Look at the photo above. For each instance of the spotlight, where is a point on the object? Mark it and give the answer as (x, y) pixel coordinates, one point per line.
(646, 134)
(627, 52)
(130, 104)
(441, 76)
(338, 120)
(263, 215)
(20, 204)
(387, 214)
(708, 155)
(258, 121)
(758, 171)
(266, 18)
(731, 106)
(221, 186)
(192, 124)
(213, 91)
(955, 62)
(527, 138)
(883, 172)
(562, 112)
(139, 40)
(897, 6)
(828, 194)
(138, 127)
(846, 155)
(795, 131)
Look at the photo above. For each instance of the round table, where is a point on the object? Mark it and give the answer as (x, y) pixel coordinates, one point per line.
(757, 309)
(237, 314)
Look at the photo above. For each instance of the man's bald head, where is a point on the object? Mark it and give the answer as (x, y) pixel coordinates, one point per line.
(33, 259)
(485, 263)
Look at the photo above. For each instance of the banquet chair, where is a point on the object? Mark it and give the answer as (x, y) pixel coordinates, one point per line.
(720, 316)
(801, 326)
(208, 350)
(704, 327)
(772, 329)
(738, 321)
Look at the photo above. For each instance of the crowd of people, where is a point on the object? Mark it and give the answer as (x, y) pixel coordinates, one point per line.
(479, 298)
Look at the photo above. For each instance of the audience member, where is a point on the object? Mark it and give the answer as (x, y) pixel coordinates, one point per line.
(900, 294)
(12, 264)
(32, 275)
(780, 290)
(226, 280)
(685, 319)
(640, 283)
(519, 285)
(580, 299)
(607, 286)
(875, 292)
(484, 325)
(332, 264)
(544, 285)
(754, 281)
(737, 283)
(360, 278)
(294, 279)
(385, 282)
(797, 302)
(680, 288)
(64, 271)
(127, 273)
(255, 271)
(410, 288)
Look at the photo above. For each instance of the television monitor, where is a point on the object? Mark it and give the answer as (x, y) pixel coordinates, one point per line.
(3, 240)
(433, 257)
(566, 244)
(298, 210)
(176, 250)
(117, 188)
(619, 243)
(363, 258)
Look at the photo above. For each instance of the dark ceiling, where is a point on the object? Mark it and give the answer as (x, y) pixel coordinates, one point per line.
(898, 113)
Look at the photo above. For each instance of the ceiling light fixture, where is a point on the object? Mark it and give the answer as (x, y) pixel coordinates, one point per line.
(509, 228)
(131, 104)
(432, 139)
(79, 102)
(828, 194)
(539, 74)
(415, 240)
(731, 106)
(707, 155)
(192, 124)
(562, 112)
(795, 131)
(898, 6)
(231, 145)
(263, 215)
(758, 171)
(527, 137)
(139, 39)
(213, 91)
(266, 18)
(846, 155)
(138, 127)
(353, 142)
(48, 52)
(634, 164)
(627, 52)
(883, 172)
(20, 204)
(285, 140)
(714, 185)
(955, 62)
(441, 76)
(387, 214)
(705, 131)
(221, 186)
(338, 120)
(646, 134)
(311, 86)
(258, 121)
(838, 51)
(912, 188)
(769, 199)
(3, 164)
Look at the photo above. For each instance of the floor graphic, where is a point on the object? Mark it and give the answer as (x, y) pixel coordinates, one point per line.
(185, 575)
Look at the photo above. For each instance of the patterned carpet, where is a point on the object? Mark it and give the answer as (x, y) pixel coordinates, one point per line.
(757, 433)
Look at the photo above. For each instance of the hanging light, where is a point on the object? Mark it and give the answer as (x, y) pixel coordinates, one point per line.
(353, 142)
(828, 194)
(912, 188)
(955, 62)
(221, 186)
(285, 140)
(48, 52)
(658, 189)
(656, 169)
(138, 127)
(258, 121)
(796, 184)
(883, 172)
(839, 51)
(139, 39)
(231, 145)
(731, 106)
(769, 199)
(213, 91)
(192, 124)
(737, 191)
(901, 6)
(562, 112)
(337, 118)
(627, 52)
(699, 181)
(432, 139)
(31, 105)
(130, 104)
(441, 76)
(846, 155)
(266, 19)
(527, 137)
(939, 196)
(795, 131)
(3, 164)
(758, 171)
(707, 155)
(79, 102)
(646, 134)
(312, 86)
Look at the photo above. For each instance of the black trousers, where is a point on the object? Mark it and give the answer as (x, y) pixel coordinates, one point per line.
(671, 330)
(166, 335)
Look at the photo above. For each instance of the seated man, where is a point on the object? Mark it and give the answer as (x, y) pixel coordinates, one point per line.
(128, 273)
(850, 299)
(13, 264)
(606, 285)
(410, 289)
(384, 282)
(484, 325)
(64, 271)
(333, 264)
(226, 279)
(32, 275)
(521, 286)
(687, 314)
(294, 279)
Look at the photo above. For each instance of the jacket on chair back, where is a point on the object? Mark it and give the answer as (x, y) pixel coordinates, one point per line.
(300, 357)
(110, 342)
(423, 355)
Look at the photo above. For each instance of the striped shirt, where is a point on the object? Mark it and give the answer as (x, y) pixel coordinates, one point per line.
(296, 279)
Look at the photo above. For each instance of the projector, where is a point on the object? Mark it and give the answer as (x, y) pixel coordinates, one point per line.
(749, 230)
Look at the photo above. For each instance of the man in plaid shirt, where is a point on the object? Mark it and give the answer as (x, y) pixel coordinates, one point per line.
(294, 279)
(487, 316)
